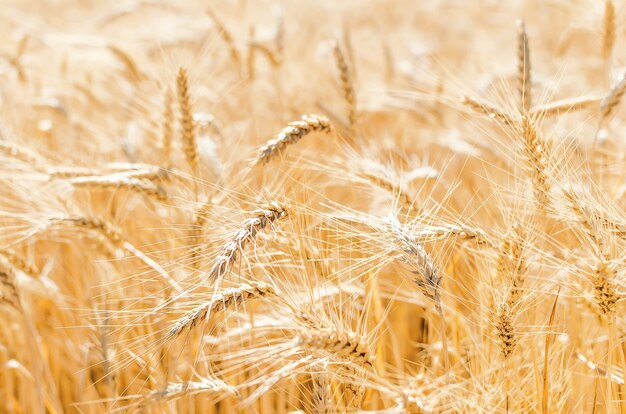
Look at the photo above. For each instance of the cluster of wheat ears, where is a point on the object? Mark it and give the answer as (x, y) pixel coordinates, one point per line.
(312, 207)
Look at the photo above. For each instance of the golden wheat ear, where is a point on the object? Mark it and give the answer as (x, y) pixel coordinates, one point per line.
(347, 87)
(523, 68)
(291, 134)
(188, 126)
(247, 232)
(229, 298)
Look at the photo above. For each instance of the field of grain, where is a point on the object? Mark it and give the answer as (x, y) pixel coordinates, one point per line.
(312, 207)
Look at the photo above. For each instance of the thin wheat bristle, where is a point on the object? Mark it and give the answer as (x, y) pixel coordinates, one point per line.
(321, 396)
(347, 86)
(246, 233)
(536, 152)
(188, 127)
(523, 68)
(292, 133)
(487, 110)
(608, 30)
(229, 298)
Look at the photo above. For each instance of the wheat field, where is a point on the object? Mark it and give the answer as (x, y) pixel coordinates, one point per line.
(312, 207)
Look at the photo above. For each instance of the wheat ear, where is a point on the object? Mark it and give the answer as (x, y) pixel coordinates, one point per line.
(536, 152)
(229, 298)
(608, 30)
(321, 396)
(429, 279)
(115, 237)
(487, 110)
(613, 98)
(604, 287)
(523, 68)
(511, 267)
(576, 204)
(347, 86)
(246, 233)
(344, 344)
(177, 390)
(119, 180)
(291, 134)
(188, 127)
(20, 263)
(9, 293)
(564, 106)
(227, 36)
(167, 127)
(392, 187)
